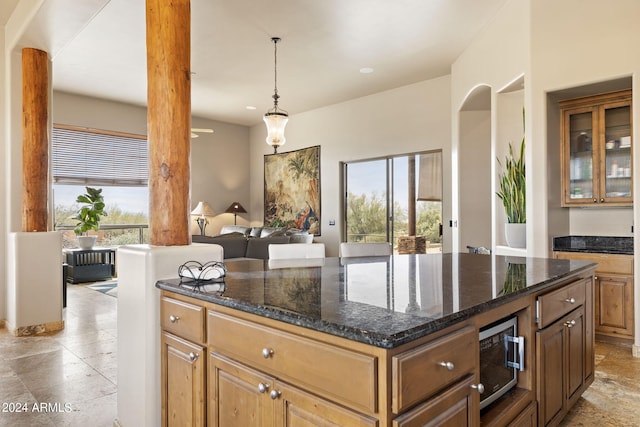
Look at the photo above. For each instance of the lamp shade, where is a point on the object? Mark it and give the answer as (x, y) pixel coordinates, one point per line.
(203, 209)
(235, 208)
(276, 122)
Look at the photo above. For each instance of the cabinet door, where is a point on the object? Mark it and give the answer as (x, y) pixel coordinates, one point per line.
(575, 351)
(616, 170)
(550, 345)
(183, 382)
(300, 409)
(457, 406)
(614, 305)
(562, 358)
(238, 395)
(580, 156)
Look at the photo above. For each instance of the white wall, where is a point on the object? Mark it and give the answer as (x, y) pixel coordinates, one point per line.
(219, 161)
(475, 193)
(496, 58)
(403, 120)
(566, 53)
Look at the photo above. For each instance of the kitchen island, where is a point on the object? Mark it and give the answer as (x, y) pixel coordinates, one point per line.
(373, 341)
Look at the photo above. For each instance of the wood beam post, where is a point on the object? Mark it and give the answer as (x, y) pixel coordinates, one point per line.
(35, 140)
(169, 120)
(411, 202)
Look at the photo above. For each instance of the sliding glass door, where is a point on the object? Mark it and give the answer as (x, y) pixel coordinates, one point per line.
(394, 197)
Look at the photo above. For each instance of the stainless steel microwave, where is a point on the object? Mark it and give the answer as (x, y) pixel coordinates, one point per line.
(501, 356)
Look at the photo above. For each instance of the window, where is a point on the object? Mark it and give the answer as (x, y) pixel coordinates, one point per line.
(393, 197)
(113, 161)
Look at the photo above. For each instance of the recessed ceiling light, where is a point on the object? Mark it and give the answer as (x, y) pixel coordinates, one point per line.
(250, 107)
(366, 70)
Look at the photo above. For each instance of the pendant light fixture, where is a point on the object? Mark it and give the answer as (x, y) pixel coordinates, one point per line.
(275, 119)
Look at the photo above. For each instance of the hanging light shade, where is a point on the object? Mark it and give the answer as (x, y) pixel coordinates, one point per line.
(276, 119)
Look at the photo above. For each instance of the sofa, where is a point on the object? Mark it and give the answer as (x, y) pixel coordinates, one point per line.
(239, 241)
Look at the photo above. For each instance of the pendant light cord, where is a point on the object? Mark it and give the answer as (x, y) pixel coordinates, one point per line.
(275, 71)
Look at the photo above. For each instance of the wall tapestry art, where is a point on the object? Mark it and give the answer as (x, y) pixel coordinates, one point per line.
(292, 189)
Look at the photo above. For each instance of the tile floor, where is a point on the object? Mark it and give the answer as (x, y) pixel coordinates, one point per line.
(73, 372)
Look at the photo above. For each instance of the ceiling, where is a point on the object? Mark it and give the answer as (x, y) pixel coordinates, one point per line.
(324, 45)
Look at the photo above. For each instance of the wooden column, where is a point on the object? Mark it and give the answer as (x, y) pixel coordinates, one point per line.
(169, 120)
(35, 140)
(411, 201)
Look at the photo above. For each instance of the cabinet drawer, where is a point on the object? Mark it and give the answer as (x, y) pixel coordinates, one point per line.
(333, 372)
(420, 372)
(182, 318)
(607, 263)
(554, 305)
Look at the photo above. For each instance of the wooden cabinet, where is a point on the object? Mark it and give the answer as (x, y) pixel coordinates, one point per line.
(564, 350)
(224, 367)
(183, 382)
(596, 150)
(455, 407)
(419, 373)
(613, 292)
(240, 396)
(183, 363)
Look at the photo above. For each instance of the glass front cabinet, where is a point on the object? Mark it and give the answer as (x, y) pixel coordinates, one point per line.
(596, 150)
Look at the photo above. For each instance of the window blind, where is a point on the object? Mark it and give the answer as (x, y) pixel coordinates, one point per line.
(88, 157)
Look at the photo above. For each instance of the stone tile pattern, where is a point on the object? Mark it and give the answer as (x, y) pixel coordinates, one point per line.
(612, 400)
(63, 378)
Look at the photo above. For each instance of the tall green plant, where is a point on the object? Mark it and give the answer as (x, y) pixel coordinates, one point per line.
(513, 187)
(91, 210)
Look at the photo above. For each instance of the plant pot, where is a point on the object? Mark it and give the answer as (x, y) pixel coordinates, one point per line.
(86, 242)
(516, 235)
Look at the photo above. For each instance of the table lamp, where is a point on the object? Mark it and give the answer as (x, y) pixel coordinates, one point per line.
(203, 209)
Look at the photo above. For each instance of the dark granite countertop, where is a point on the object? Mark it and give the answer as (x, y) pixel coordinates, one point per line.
(381, 301)
(594, 244)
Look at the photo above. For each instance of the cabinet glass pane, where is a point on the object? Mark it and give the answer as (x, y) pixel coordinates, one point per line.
(618, 151)
(580, 154)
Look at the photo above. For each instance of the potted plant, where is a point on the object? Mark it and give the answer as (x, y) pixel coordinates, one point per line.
(89, 214)
(513, 195)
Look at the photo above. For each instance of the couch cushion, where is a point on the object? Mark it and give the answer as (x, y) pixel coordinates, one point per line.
(226, 229)
(272, 231)
(255, 231)
(301, 238)
(259, 248)
(234, 245)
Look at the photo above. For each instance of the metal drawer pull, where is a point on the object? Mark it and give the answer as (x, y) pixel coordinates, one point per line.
(479, 387)
(275, 394)
(262, 388)
(447, 365)
(267, 353)
(571, 300)
(193, 356)
(173, 319)
(570, 324)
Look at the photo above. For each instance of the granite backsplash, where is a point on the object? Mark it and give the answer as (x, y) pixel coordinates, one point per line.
(594, 244)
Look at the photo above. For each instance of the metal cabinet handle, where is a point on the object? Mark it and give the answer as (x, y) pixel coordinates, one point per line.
(602, 200)
(595, 200)
(262, 387)
(479, 387)
(193, 356)
(173, 319)
(571, 300)
(275, 394)
(570, 324)
(450, 366)
(267, 352)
